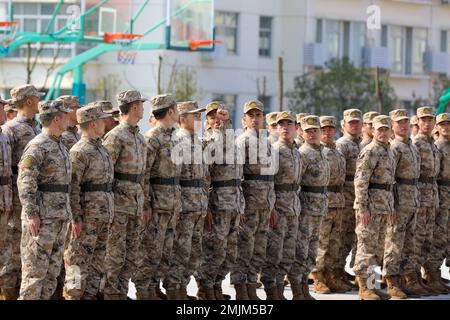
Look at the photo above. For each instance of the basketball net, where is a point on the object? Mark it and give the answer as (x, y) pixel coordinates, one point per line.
(123, 53)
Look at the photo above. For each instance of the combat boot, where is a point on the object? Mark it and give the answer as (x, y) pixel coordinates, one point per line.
(306, 293)
(173, 294)
(271, 293)
(241, 291)
(434, 282)
(297, 291)
(10, 293)
(320, 285)
(394, 288)
(364, 292)
(431, 291)
(112, 296)
(412, 284)
(335, 284)
(210, 294)
(280, 291)
(251, 291)
(161, 295)
(344, 276)
(219, 293)
(182, 292)
(151, 294)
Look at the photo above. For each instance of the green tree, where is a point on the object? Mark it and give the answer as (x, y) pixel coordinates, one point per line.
(340, 86)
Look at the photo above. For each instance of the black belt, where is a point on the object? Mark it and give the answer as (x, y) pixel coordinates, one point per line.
(54, 188)
(166, 181)
(90, 187)
(128, 177)
(410, 182)
(427, 179)
(337, 189)
(311, 189)
(197, 183)
(445, 183)
(226, 183)
(379, 186)
(286, 187)
(5, 180)
(15, 170)
(349, 178)
(258, 177)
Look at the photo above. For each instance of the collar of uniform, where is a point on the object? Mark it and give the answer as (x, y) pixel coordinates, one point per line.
(425, 137)
(384, 145)
(53, 137)
(94, 141)
(73, 129)
(406, 140)
(164, 127)
(288, 144)
(330, 146)
(185, 133)
(23, 119)
(354, 139)
(132, 129)
(314, 146)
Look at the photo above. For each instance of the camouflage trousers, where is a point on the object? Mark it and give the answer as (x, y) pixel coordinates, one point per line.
(219, 248)
(10, 269)
(252, 244)
(122, 251)
(424, 234)
(439, 245)
(84, 259)
(280, 252)
(400, 244)
(369, 244)
(348, 237)
(187, 250)
(156, 250)
(306, 248)
(42, 257)
(447, 260)
(330, 241)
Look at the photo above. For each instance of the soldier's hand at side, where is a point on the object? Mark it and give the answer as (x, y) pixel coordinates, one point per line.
(365, 218)
(209, 221)
(147, 216)
(35, 224)
(76, 229)
(392, 218)
(273, 219)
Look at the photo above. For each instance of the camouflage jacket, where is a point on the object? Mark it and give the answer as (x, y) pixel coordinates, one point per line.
(70, 137)
(160, 144)
(5, 172)
(375, 165)
(443, 146)
(429, 167)
(336, 161)
(299, 141)
(364, 143)
(91, 164)
(273, 138)
(315, 173)
(407, 166)
(259, 195)
(45, 160)
(224, 166)
(349, 147)
(193, 169)
(289, 172)
(129, 155)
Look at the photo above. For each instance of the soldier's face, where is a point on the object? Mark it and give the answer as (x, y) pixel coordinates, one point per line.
(273, 128)
(33, 103)
(312, 136)
(254, 119)
(11, 115)
(414, 129)
(110, 123)
(286, 129)
(444, 129)
(2, 114)
(401, 128)
(299, 130)
(353, 127)
(63, 121)
(191, 122)
(212, 120)
(139, 107)
(426, 125)
(328, 134)
(72, 116)
(382, 134)
(100, 127)
(367, 127)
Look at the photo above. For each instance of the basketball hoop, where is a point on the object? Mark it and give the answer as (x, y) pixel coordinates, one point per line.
(195, 44)
(123, 42)
(8, 31)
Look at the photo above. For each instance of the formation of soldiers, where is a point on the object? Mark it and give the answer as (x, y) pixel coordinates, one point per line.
(88, 203)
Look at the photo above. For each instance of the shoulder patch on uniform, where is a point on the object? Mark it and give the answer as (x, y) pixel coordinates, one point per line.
(27, 162)
(365, 165)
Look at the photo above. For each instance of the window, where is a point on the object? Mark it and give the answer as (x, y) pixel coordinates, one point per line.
(419, 46)
(445, 41)
(333, 38)
(267, 102)
(230, 102)
(227, 28)
(396, 44)
(357, 42)
(265, 36)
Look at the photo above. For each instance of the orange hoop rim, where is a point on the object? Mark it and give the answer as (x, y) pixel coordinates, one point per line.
(7, 23)
(110, 37)
(195, 44)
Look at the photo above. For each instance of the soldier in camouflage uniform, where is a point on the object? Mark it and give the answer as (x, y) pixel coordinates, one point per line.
(226, 204)
(6, 192)
(367, 128)
(131, 210)
(282, 236)
(349, 146)
(399, 244)
(92, 206)
(113, 121)
(19, 132)
(428, 189)
(259, 202)
(272, 126)
(313, 197)
(43, 184)
(164, 200)
(187, 247)
(299, 139)
(71, 135)
(330, 240)
(440, 242)
(10, 109)
(374, 204)
(414, 126)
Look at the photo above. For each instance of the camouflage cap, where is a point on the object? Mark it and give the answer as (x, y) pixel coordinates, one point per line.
(368, 116)
(214, 106)
(414, 121)
(162, 101)
(52, 106)
(443, 117)
(300, 116)
(10, 106)
(310, 122)
(398, 114)
(71, 102)
(129, 96)
(188, 107)
(271, 118)
(286, 115)
(425, 112)
(91, 112)
(25, 91)
(381, 121)
(106, 106)
(250, 105)
(352, 114)
(327, 121)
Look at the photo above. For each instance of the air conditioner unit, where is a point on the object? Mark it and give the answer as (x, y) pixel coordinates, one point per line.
(436, 62)
(376, 57)
(315, 54)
